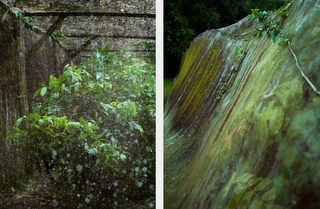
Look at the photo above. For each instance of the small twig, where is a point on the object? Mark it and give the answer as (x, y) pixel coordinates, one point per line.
(297, 64)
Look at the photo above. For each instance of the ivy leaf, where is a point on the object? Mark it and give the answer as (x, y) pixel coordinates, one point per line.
(264, 32)
(250, 17)
(283, 42)
(275, 35)
(238, 50)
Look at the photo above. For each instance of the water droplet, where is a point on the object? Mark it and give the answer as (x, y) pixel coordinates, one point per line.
(115, 183)
(54, 153)
(79, 168)
(55, 203)
(139, 184)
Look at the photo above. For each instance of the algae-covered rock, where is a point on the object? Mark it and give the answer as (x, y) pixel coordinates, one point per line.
(242, 126)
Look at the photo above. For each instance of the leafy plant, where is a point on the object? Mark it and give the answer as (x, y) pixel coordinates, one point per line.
(57, 36)
(29, 20)
(96, 129)
(251, 191)
(240, 53)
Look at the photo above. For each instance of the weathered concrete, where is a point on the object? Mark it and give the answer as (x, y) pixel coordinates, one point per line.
(258, 146)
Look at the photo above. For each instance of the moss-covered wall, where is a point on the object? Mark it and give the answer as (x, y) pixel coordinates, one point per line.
(258, 146)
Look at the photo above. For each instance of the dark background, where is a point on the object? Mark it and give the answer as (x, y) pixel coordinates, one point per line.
(185, 19)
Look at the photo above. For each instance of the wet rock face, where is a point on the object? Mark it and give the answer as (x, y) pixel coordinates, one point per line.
(256, 143)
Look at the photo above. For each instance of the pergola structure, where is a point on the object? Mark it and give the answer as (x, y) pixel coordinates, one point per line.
(85, 30)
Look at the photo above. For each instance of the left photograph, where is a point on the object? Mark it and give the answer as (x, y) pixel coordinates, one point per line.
(77, 104)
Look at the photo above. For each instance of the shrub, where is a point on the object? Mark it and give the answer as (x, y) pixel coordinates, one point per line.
(94, 133)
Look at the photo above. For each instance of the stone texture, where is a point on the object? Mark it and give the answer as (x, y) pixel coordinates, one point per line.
(258, 146)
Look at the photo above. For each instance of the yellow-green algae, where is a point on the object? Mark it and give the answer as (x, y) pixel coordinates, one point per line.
(258, 146)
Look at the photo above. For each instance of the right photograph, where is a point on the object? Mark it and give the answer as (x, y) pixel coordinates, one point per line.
(241, 104)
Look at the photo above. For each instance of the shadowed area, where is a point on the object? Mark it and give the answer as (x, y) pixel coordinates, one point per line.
(254, 144)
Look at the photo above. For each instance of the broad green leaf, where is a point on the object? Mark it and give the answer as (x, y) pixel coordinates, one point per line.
(236, 196)
(269, 195)
(245, 199)
(17, 123)
(275, 35)
(265, 182)
(83, 123)
(256, 204)
(43, 91)
(137, 126)
(52, 81)
(253, 181)
(37, 93)
(264, 32)
(244, 178)
(250, 16)
(15, 135)
(283, 42)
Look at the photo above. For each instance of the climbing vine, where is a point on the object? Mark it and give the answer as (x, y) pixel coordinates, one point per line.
(269, 28)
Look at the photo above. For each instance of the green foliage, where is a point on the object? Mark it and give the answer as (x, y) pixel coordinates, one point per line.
(59, 144)
(90, 115)
(177, 33)
(252, 192)
(240, 53)
(57, 36)
(267, 27)
(17, 14)
(29, 20)
(187, 18)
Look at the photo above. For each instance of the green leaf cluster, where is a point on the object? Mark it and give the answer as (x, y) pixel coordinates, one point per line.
(267, 27)
(250, 191)
(96, 120)
(57, 36)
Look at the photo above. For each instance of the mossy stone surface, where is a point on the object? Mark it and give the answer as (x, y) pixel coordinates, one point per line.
(258, 145)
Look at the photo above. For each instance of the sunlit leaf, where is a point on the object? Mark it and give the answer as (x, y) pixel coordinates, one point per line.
(43, 91)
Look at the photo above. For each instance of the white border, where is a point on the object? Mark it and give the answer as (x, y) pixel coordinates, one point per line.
(159, 104)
